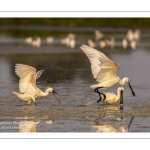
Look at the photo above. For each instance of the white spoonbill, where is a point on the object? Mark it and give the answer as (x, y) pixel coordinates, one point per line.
(28, 40)
(112, 98)
(49, 39)
(136, 35)
(36, 42)
(133, 44)
(124, 43)
(104, 70)
(27, 84)
(91, 43)
(130, 35)
(102, 44)
(110, 42)
(98, 35)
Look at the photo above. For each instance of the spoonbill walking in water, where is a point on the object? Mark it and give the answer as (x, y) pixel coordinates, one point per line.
(27, 84)
(112, 98)
(104, 70)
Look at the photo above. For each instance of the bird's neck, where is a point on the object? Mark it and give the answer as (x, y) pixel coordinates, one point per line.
(118, 95)
(122, 82)
(44, 93)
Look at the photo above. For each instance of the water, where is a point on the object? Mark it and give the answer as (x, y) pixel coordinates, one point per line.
(68, 72)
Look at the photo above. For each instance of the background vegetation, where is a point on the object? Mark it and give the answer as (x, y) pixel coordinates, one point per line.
(100, 22)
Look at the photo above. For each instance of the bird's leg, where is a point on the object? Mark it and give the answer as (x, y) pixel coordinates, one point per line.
(29, 102)
(34, 100)
(99, 99)
(97, 91)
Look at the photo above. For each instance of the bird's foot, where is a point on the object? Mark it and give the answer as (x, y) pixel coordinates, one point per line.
(96, 90)
(104, 96)
(99, 99)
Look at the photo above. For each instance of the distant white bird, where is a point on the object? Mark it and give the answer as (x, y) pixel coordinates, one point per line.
(49, 39)
(36, 42)
(124, 43)
(71, 35)
(69, 40)
(112, 98)
(104, 70)
(136, 35)
(64, 41)
(133, 44)
(98, 35)
(72, 43)
(91, 43)
(27, 84)
(111, 42)
(102, 44)
(28, 40)
(130, 35)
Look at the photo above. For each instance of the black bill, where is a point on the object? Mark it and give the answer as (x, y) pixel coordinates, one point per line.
(121, 97)
(131, 89)
(56, 97)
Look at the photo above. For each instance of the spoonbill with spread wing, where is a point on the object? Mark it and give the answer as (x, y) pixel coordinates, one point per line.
(27, 84)
(104, 70)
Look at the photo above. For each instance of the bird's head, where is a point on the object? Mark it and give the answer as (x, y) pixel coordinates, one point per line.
(121, 89)
(51, 90)
(126, 80)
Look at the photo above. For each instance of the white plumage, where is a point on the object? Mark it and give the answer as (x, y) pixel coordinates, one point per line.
(98, 35)
(91, 43)
(36, 42)
(103, 69)
(49, 39)
(112, 98)
(124, 43)
(27, 83)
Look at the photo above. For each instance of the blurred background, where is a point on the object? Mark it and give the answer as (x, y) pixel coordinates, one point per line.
(53, 44)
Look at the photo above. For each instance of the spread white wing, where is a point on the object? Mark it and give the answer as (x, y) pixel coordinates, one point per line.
(27, 76)
(102, 67)
(39, 73)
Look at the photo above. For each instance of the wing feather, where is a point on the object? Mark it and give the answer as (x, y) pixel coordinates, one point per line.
(93, 56)
(102, 67)
(27, 76)
(39, 73)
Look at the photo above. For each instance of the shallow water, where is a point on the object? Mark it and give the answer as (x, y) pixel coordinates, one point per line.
(68, 72)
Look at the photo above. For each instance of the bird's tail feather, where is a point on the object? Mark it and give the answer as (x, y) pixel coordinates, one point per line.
(15, 93)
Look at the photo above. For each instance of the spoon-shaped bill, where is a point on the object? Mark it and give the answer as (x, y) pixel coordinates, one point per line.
(56, 98)
(57, 94)
(121, 97)
(131, 89)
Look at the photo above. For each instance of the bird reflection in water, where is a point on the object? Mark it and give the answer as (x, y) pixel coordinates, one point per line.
(106, 127)
(30, 126)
